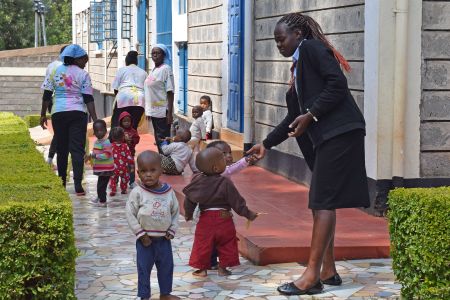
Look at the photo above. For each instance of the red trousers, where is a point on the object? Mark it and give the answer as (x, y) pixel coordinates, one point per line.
(214, 229)
(121, 174)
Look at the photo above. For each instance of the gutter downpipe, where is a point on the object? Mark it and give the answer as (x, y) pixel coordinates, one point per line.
(120, 61)
(400, 91)
(248, 74)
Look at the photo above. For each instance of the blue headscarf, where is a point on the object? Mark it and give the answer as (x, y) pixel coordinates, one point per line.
(167, 57)
(74, 51)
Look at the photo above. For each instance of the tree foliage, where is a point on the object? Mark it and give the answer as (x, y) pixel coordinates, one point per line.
(17, 23)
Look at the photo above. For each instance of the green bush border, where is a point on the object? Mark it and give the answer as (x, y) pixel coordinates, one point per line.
(419, 226)
(36, 226)
(33, 120)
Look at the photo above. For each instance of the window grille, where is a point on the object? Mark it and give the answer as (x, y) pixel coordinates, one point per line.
(126, 19)
(96, 22)
(110, 14)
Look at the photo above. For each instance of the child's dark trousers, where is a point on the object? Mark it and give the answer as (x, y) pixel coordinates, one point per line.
(159, 253)
(102, 185)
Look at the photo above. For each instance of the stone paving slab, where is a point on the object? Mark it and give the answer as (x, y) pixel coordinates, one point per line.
(106, 266)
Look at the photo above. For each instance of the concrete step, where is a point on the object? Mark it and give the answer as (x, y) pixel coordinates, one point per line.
(236, 152)
(232, 137)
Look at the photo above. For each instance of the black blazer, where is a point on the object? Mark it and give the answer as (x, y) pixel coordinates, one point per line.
(322, 89)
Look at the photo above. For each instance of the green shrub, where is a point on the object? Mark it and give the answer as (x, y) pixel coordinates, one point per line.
(37, 253)
(419, 225)
(33, 120)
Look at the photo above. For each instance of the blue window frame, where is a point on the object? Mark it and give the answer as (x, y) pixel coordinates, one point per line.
(164, 23)
(183, 88)
(96, 23)
(142, 34)
(110, 14)
(181, 7)
(235, 112)
(126, 19)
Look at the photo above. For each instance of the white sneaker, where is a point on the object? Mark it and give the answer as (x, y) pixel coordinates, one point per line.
(96, 202)
(133, 185)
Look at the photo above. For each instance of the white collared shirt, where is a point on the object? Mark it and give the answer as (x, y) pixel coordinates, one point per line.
(295, 57)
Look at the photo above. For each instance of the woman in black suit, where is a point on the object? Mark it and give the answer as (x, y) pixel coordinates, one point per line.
(329, 128)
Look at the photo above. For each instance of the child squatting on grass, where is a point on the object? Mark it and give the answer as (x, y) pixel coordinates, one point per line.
(152, 214)
(216, 196)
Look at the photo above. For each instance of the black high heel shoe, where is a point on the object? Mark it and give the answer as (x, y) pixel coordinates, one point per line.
(333, 280)
(291, 289)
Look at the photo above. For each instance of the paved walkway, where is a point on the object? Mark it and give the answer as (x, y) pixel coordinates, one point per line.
(106, 268)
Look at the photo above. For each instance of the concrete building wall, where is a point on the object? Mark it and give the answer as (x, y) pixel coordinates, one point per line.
(21, 75)
(435, 102)
(343, 23)
(206, 54)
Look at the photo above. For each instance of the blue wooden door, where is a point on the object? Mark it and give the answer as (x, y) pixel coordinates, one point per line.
(235, 55)
(142, 33)
(182, 94)
(164, 23)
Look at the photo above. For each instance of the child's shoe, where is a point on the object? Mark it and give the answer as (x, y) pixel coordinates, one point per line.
(112, 194)
(97, 202)
(223, 271)
(133, 185)
(123, 192)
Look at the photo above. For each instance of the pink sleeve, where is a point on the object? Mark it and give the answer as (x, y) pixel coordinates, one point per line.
(235, 168)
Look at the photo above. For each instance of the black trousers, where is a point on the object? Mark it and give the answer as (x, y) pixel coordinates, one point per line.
(161, 130)
(136, 113)
(70, 130)
(102, 185)
(52, 150)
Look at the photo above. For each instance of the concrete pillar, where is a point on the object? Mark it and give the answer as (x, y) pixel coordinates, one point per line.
(379, 93)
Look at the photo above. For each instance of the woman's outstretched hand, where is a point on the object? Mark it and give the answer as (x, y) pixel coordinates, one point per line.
(257, 150)
(300, 124)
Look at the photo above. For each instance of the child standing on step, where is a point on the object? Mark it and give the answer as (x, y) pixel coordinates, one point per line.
(152, 213)
(132, 138)
(216, 196)
(123, 161)
(197, 129)
(206, 104)
(102, 161)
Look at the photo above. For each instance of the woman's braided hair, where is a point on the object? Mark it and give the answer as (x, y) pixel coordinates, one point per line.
(310, 29)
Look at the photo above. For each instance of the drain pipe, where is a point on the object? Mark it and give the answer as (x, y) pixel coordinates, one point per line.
(248, 74)
(400, 91)
(120, 61)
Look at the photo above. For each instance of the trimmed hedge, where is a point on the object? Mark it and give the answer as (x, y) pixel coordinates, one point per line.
(33, 120)
(419, 225)
(37, 253)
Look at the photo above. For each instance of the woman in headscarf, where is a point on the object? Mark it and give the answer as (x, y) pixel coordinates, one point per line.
(158, 88)
(128, 87)
(72, 89)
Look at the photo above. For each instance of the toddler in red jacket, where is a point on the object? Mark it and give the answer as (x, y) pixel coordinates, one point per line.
(132, 138)
(123, 161)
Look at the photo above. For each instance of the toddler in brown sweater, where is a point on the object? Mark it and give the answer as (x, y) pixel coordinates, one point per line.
(216, 197)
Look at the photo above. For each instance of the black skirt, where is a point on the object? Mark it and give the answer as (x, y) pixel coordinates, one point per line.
(339, 178)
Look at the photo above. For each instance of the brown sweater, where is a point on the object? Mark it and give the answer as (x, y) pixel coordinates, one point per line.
(214, 191)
